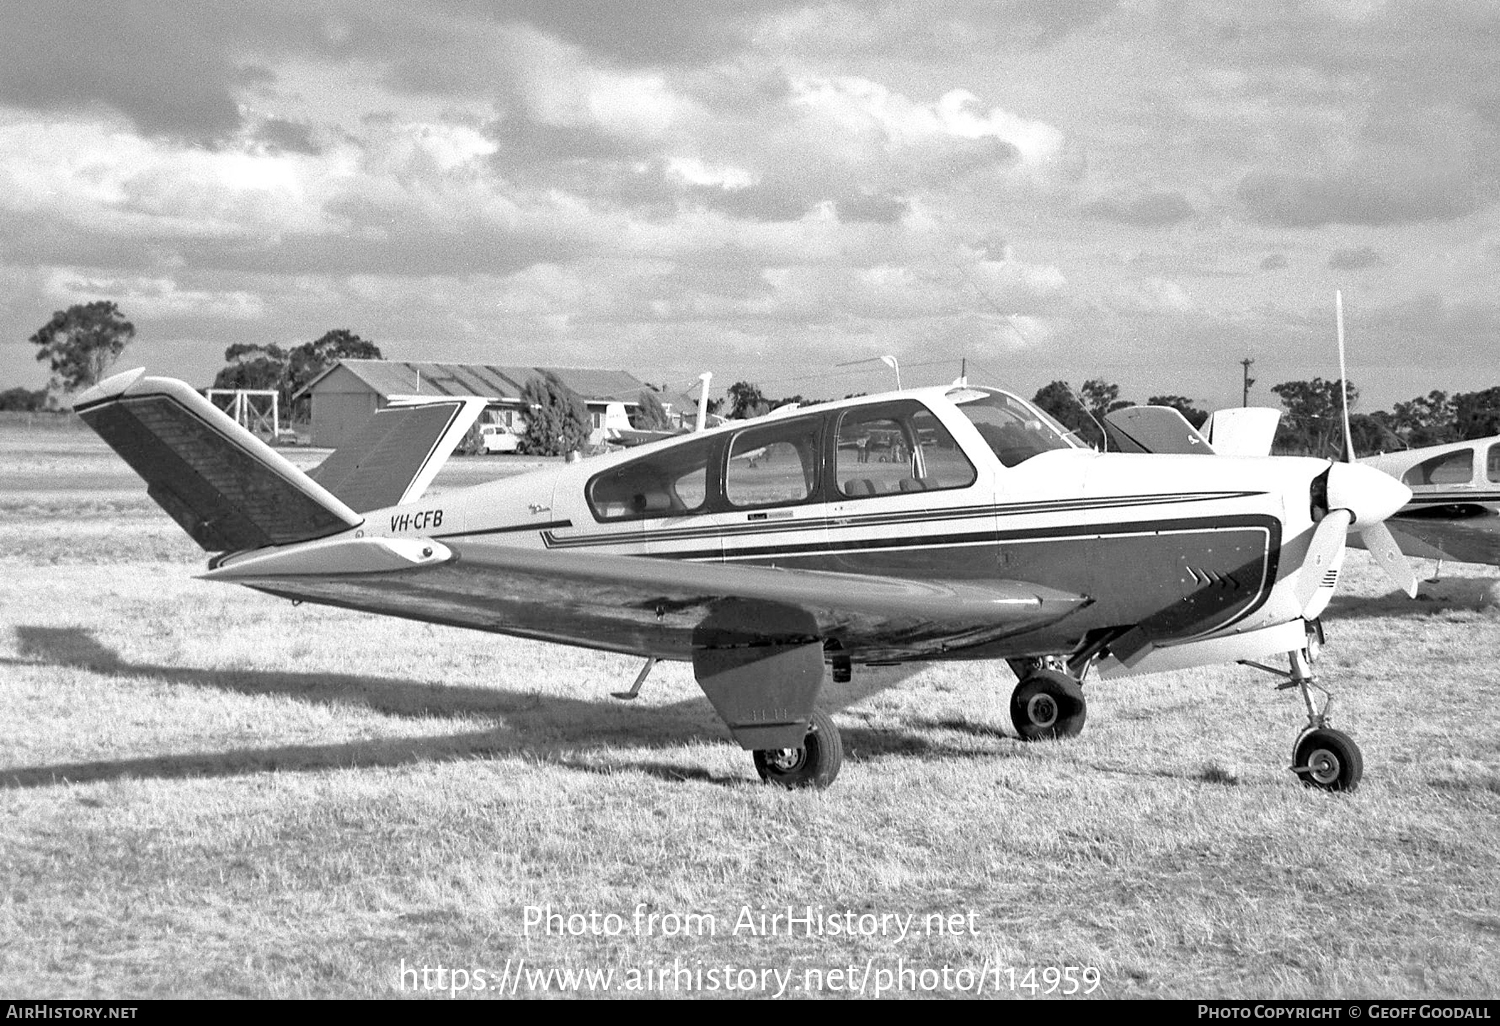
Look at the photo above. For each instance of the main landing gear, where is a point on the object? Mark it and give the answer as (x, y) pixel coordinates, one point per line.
(1047, 702)
(1322, 757)
(815, 764)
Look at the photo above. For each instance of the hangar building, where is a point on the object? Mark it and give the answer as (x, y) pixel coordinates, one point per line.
(345, 395)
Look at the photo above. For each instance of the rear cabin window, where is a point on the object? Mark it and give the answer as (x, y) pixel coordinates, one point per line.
(774, 465)
(1492, 465)
(894, 448)
(1452, 468)
(673, 482)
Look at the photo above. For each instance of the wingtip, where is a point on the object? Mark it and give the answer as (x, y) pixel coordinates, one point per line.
(109, 388)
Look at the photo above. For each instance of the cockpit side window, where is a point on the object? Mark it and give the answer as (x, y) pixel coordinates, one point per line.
(672, 482)
(775, 465)
(1015, 431)
(897, 447)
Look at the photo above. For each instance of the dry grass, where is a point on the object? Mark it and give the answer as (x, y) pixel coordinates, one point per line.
(210, 792)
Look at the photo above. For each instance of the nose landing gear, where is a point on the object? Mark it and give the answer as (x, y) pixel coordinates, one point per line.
(1322, 757)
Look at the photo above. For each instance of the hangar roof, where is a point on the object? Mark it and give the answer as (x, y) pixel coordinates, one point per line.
(494, 381)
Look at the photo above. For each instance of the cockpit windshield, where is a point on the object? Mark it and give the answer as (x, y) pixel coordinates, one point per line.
(1015, 429)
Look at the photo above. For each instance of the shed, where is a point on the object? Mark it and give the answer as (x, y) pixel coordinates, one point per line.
(347, 394)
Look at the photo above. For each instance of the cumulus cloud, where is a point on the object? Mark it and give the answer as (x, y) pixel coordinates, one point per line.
(1360, 197)
(152, 297)
(1354, 259)
(1149, 210)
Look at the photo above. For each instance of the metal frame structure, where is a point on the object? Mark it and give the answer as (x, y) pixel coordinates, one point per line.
(247, 413)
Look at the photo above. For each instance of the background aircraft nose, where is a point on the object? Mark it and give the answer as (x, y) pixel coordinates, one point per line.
(1368, 494)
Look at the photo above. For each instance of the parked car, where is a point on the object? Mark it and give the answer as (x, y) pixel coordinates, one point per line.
(498, 438)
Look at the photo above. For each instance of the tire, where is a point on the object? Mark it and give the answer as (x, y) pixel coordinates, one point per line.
(815, 764)
(1046, 705)
(1328, 760)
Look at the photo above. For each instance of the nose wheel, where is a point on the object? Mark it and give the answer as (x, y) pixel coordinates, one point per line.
(1322, 757)
(1327, 759)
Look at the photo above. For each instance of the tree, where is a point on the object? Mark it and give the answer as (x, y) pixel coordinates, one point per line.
(649, 414)
(557, 421)
(310, 359)
(1102, 397)
(746, 401)
(82, 342)
(1082, 416)
(23, 399)
(1314, 421)
(1425, 420)
(256, 366)
(1477, 414)
(1182, 405)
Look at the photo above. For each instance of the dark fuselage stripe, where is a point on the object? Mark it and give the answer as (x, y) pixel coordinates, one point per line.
(850, 520)
(512, 529)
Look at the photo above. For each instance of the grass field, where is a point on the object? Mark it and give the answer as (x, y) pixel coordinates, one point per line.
(209, 792)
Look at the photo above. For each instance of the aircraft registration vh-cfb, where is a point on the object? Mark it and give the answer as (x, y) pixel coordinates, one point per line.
(948, 523)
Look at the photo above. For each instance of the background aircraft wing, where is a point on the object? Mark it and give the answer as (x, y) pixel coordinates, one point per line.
(644, 605)
(1472, 536)
(1160, 429)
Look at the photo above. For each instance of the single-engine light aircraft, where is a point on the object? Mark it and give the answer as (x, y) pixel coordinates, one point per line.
(957, 523)
(1454, 512)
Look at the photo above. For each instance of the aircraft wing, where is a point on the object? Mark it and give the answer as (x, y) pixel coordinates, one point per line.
(1473, 537)
(662, 607)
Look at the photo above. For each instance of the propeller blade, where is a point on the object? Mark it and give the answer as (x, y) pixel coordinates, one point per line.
(1338, 316)
(1325, 554)
(1383, 546)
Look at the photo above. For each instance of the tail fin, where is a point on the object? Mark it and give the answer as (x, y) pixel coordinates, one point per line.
(400, 450)
(225, 487)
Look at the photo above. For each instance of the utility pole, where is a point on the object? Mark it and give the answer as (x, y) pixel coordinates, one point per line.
(1245, 396)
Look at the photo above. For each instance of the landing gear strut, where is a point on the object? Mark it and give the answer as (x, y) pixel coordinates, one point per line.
(1322, 757)
(815, 764)
(1046, 704)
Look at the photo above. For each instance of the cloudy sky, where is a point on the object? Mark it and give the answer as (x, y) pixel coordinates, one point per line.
(1142, 191)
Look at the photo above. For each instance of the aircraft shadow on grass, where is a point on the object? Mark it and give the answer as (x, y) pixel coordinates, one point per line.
(551, 729)
(1457, 594)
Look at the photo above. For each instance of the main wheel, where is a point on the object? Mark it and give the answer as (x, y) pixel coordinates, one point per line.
(815, 764)
(1048, 704)
(1328, 759)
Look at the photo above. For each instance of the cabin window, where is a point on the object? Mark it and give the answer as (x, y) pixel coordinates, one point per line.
(1492, 465)
(1014, 430)
(1451, 468)
(774, 465)
(894, 448)
(671, 482)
